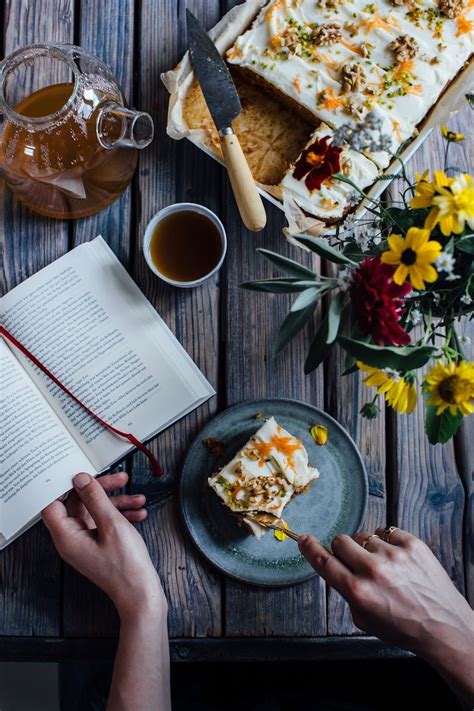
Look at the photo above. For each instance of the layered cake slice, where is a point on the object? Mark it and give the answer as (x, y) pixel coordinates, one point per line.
(310, 182)
(265, 474)
(339, 59)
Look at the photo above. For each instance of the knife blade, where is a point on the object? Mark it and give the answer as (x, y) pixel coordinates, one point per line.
(224, 106)
(213, 75)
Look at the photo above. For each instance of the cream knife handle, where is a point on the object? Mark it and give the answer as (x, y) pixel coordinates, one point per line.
(246, 194)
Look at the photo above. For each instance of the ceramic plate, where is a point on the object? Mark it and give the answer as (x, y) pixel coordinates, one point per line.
(335, 503)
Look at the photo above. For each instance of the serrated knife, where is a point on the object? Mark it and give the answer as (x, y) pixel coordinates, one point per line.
(224, 105)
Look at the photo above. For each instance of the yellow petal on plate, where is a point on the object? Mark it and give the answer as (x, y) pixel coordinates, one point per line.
(320, 434)
(279, 535)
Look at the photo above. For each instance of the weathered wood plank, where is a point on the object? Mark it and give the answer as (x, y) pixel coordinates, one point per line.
(465, 461)
(426, 487)
(251, 324)
(30, 587)
(109, 36)
(345, 396)
(175, 172)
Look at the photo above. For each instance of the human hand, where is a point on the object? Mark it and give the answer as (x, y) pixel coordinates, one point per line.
(92, 532)
(400, 592)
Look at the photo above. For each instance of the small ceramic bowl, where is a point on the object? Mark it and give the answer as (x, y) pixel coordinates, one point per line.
(184, 207)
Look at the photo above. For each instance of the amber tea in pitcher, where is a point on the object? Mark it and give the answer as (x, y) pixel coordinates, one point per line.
(68, 144)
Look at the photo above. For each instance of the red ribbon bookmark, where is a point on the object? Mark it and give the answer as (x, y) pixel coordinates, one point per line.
(157, 469)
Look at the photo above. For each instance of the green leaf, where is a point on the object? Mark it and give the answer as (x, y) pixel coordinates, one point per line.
(307, 298)
(401, 219)
(396, 357)
(466, 244)
(293, 323)
(289, 266)
(324, 249)
(277, 286)
(334, 316)
(440, 428)
(319, 348)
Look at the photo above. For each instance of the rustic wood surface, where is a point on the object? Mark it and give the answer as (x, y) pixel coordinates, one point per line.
(229, 334)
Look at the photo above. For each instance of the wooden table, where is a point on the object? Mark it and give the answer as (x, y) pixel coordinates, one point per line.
(47, 611)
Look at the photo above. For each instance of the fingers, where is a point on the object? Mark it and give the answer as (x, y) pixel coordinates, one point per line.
(54, 517)
(112, 482)
(328, 566)
(351, 552)
(95, 500)
(124, 502)
(135, 516)
(398, 537)
(369, 542)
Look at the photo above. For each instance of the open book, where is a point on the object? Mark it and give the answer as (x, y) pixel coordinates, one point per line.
(86, 320)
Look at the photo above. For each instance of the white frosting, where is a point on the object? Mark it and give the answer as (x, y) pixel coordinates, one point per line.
(294, 469)
(334, 196)
(274, 49)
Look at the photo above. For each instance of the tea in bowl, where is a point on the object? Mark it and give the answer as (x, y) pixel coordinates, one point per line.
(185, 244)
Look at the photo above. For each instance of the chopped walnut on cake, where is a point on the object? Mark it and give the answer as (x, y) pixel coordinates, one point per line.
(451, 8)
(327, 34)
(353, 78)
(404, 47)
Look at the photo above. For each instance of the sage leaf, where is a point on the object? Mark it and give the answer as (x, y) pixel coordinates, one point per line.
(334, 316)
(395, 357)
(289, 266)
(276, 286)
(319, 348)
(324, 249)
(307, 298)
(292, 324)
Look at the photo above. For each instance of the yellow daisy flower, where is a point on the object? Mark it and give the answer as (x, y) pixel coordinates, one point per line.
(451, 385)
(451, 136)
(414, 256)
(400, 394)
(453, 206)
(425, 191)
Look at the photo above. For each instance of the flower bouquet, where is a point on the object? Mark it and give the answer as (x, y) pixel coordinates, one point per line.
(399, 280)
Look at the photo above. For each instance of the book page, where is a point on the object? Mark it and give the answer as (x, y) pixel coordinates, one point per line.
(85, 319)
(38, 456)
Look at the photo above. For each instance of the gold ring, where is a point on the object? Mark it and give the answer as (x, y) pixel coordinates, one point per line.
(366, 540)
(389, 531)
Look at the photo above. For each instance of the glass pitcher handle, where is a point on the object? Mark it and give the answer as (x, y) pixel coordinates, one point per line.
(120, 127)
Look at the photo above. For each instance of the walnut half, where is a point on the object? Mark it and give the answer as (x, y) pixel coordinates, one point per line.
(404, 48)
(353, 78)
(451, 8)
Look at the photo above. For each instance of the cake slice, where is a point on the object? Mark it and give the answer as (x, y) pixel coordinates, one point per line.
(265, 474)
(309, 180)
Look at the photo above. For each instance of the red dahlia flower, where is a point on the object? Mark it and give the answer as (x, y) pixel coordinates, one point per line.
(317, 162)
(377, 303)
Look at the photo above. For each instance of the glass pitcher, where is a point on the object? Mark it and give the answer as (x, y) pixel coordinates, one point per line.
(68, 144)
